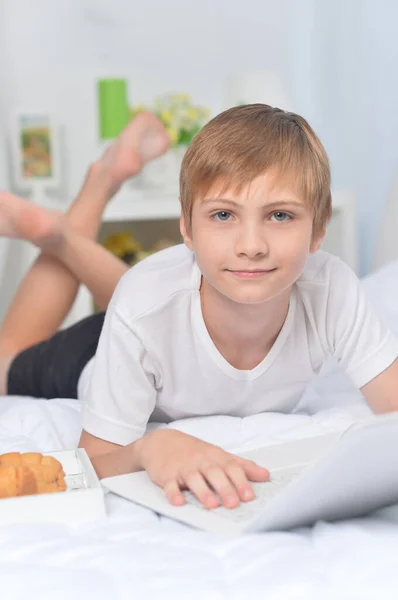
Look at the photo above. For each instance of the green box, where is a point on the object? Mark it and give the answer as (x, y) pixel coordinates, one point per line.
(113, 108)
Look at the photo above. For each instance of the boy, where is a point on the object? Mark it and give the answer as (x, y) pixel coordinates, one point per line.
(239, 319)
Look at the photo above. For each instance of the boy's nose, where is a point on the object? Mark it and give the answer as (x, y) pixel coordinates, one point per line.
(252, 242)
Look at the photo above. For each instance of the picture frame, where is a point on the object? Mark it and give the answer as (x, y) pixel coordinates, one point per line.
(35, 151)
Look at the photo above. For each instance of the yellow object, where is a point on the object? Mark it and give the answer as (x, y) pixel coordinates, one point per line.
(192, 114)
(173, 134)
(166, 116)
(122, 243)
(180, 117)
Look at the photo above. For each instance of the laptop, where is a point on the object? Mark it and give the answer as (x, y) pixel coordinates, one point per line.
(327, 477)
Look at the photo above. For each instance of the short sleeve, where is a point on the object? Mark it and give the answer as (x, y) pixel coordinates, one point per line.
(122, 392)
(359, 340)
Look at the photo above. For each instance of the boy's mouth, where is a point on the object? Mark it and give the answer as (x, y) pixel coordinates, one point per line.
(251, 273)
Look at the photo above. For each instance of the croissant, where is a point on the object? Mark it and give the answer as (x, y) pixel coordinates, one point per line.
(30, 473)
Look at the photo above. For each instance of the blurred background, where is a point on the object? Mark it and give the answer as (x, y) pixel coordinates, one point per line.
(333, 61)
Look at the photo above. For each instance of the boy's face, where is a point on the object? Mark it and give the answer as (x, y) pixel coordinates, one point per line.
(252, 245)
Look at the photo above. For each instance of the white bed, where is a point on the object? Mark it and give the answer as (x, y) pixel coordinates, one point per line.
(133, 553)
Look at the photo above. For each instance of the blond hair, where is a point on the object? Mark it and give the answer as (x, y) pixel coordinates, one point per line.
(244, 142)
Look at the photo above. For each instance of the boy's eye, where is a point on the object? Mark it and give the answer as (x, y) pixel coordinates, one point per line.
(221, 215)
(281, 216)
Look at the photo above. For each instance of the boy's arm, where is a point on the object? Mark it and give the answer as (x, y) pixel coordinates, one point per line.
(175, 460)
(360, 341)
(94, 445)
(110, 459)
(382, 392)
(122, 391)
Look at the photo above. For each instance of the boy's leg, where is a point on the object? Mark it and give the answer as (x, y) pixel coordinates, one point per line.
(91, 264)
(49, 289)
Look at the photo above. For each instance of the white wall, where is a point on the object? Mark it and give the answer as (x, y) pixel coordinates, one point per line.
(355, 105)
(7, 256)
(3, 106)
(337, 59)
(58, 48)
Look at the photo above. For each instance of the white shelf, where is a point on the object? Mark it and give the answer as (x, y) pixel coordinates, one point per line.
(342, 232)
(140, 204)
(135, 204)
(143, 204)
(152, 204)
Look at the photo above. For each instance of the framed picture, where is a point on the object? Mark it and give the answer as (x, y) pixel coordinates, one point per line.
(35, 151)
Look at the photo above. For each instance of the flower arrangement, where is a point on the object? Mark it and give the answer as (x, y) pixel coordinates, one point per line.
(181, 118)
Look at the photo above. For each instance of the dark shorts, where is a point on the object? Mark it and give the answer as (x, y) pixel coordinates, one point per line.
(51, 369)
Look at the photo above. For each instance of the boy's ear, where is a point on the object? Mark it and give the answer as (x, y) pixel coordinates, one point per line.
(185, 236)
(316, 241)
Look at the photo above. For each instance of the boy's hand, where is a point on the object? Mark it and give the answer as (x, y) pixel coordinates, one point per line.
(175, 460)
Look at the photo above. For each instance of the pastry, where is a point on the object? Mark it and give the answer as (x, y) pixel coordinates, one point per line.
(30, 473)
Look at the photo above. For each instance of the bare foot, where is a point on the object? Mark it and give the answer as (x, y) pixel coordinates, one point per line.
(142, 140)
(19, 218)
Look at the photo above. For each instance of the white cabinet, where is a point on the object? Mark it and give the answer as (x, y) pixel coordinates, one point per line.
(133, 205)
(342, 232)
(142, 205)
(147, 205)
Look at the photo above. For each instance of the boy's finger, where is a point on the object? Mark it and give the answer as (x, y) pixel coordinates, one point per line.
(198, 486)
(253, 471)
(240, 481)
(173, 493)
(219, 481)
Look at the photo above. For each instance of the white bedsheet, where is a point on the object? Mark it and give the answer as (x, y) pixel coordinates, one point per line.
(135, 554)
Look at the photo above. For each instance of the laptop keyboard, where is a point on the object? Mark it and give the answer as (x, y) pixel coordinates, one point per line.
(264, 492)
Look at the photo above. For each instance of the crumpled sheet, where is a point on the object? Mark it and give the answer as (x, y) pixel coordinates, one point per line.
(135, 554)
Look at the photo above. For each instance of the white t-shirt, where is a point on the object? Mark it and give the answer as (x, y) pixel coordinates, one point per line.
(156, 360)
